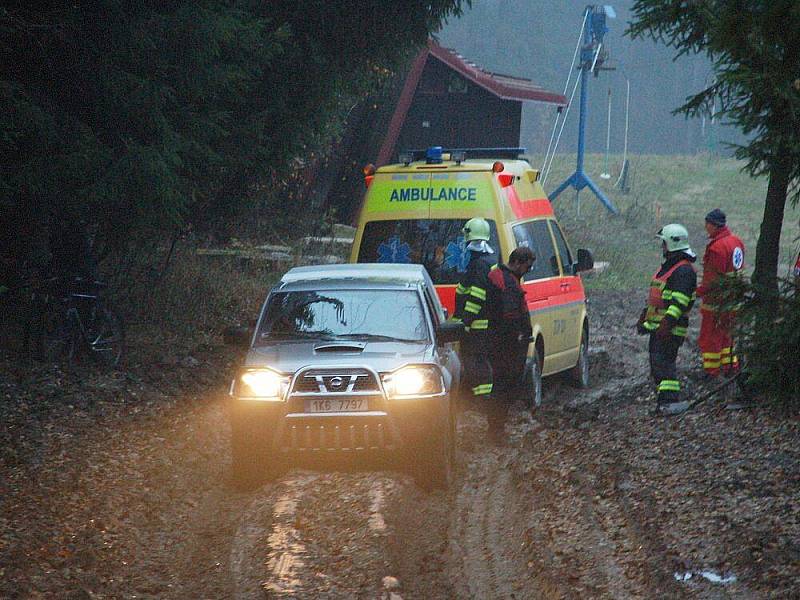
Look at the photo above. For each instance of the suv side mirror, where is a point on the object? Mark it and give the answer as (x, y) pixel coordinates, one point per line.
(237, 336)
(449, 331)
(585, 260)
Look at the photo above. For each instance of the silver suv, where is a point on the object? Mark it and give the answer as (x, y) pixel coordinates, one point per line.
(348, 359)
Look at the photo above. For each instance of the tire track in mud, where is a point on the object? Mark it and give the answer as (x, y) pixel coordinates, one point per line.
(282, 546)
(482, 529)
(377, 495)
(321, 534)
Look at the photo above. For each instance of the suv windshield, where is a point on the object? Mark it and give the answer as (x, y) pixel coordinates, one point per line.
(438, 244)
(344, 314)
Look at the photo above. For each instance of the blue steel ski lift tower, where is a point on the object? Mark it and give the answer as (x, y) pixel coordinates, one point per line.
(594, 29)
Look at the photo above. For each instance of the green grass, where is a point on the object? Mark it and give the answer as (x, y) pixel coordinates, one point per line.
(664, 189)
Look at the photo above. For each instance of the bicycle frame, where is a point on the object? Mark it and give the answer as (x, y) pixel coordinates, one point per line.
(73, 316)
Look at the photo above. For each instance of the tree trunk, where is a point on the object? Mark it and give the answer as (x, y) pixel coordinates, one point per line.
(765, 276)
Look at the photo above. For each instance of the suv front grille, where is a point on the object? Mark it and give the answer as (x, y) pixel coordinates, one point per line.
(336, 381)
(374, 435)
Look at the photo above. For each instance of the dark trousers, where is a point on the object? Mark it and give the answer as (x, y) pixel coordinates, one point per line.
(508, 367)
(477, 382)
(663, 355)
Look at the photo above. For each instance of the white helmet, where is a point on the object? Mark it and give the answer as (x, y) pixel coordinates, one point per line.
(675, 236)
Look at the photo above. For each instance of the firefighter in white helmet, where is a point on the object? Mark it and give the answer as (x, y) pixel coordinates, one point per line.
(471, 309)
(666, 317)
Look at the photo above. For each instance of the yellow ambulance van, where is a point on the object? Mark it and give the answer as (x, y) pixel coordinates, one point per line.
(413, 212)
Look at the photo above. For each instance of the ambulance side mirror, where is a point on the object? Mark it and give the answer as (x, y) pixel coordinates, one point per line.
(585, 260)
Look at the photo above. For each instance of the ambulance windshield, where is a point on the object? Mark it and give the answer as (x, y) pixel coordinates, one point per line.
(437, 244)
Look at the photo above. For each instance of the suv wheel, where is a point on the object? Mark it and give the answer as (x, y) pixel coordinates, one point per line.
(534, 382)
(434, 465)
(252, 459)
(580, 372)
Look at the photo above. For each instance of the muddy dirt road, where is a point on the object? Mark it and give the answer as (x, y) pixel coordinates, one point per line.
(591, 498)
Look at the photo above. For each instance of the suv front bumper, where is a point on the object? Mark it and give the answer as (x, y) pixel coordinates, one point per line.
(398, 425)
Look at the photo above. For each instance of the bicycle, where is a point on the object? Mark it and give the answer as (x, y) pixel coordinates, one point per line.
(67, 324)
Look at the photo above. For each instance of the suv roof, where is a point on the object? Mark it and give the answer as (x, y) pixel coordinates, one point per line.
(399, 274)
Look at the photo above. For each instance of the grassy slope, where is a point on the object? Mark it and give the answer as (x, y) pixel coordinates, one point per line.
(664, 189)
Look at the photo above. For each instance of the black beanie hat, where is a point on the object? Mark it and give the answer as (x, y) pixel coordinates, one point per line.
(716, 217)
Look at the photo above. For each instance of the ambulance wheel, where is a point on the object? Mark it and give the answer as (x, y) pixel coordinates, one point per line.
(534, 382)
(580, 372)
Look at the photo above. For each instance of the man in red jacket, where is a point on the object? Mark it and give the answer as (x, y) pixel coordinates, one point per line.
(724, 257)
(510, 331)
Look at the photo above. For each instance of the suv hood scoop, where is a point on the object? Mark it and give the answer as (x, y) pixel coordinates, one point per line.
(353, 347)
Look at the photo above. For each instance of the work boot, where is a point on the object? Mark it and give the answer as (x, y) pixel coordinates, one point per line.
(673, 408)
(740, 398)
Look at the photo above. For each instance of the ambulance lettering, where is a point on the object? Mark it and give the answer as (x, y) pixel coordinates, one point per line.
(446, 194)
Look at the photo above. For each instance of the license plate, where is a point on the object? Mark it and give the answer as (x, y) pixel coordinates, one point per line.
(333, 405)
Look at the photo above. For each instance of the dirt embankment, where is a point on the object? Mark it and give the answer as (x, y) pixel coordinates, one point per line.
(116, 486)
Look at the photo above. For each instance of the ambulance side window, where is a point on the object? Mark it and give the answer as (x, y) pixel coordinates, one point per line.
(536, 236)
(563, 249)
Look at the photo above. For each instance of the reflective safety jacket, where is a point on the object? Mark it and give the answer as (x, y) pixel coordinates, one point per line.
(471, 292)
(508, 310)
(672, 294)
(724, 257)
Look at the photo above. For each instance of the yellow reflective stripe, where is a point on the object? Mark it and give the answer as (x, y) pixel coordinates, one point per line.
(479, 390)
(478, 292)
(471, 307)
(666, 295)
(711, 364)
(681, 298)
(650, 326)
(460, 289)
(681, 331)
(674, 312)
(480, 324)
(711, 355)
(456, 320)
(669, 385)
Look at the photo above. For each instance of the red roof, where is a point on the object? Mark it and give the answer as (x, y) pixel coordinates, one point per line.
(505, 87)
(502, 86)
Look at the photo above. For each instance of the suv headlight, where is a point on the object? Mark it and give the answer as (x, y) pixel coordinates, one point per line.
(261, 384)
(415, 380)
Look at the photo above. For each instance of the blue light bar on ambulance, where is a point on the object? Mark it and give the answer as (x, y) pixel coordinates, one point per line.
(433, 155)
(408, 156)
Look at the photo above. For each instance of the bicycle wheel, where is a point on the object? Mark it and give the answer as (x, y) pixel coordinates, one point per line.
(54, 335)
(106, 337)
